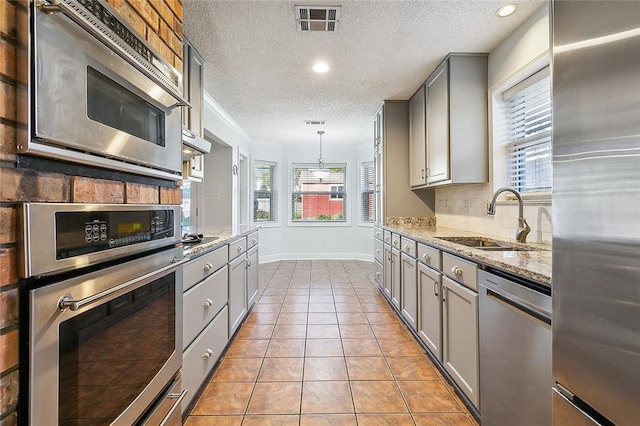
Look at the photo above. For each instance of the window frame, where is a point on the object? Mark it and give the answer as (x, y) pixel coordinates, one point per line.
(274, 220)
(346, 221)
(362, 191)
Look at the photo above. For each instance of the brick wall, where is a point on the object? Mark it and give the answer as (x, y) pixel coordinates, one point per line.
(160, 23)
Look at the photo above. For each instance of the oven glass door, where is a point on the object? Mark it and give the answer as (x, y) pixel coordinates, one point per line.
(110, 353)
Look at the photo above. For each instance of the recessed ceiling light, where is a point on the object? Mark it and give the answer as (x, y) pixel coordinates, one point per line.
(506, 10)
(321, 67)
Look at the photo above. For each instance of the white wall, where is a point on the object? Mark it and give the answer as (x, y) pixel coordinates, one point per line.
(464, 207)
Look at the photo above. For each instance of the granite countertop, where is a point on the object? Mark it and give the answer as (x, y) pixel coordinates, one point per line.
(533, 264)
(224, 236)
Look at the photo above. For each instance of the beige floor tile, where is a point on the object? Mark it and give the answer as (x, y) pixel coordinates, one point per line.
(376, 307)
(412, 368)
(281, 370)
(368, 368)
(264, 318)
(247, 348)
(352, 318)
(323, 348)
(270, 420)
(322, 318)
(400, 347)
(441, 419)
(322, 307)
(238, 370)
(389, 331)
(255, 331)
(326, 298)
(326, 397)
(323, 331)
(223, 398)
(266, 307)
(213, 420)
(377, 397)
(275, 398)
(428, 397)
(290, 331)
(295, 307)
(328, 368)
(348, 307)
(385, 420)
(356, 331)
(296, 299)
(271, 299)
(286, 348)
(382, 318)
(291, 318)
(361, 347)
(328, 419)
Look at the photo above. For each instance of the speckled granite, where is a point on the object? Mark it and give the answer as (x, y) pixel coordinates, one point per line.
(533, 264)
(225, 236)
(424, 222)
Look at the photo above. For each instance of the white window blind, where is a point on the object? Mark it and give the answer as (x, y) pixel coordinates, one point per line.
(528, 120)
(264, 195)
(318, 195)
(243, 189)
(367, 187)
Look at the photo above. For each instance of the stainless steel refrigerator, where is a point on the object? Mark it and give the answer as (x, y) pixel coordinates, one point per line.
(596, 212)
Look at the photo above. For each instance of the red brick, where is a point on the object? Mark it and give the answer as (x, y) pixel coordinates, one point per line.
(176, 8)
(18, 185)
(7, 59)
(7, 18)
(170, 195)
(7, 101)
(8, 350)
(142, 194)
(8, 393)
(8, 308)
(7, 142)
(178, 28)
(7, 225)
(88, 190)
(8, 266)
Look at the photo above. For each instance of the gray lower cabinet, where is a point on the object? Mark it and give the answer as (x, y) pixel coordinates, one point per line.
(378, 270)
(409, 293)
(460, 336)
(396, 277)
(252, 276)
(430, 309)
(201, 356)
(387, 270)
(237, 293)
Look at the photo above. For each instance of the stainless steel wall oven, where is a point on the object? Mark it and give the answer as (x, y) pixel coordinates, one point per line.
(103, 341)
(98, 93)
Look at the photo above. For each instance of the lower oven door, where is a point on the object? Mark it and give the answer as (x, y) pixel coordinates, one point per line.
(106, 345)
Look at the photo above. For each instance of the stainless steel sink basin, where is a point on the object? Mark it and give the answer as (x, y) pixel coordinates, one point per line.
(482, 243)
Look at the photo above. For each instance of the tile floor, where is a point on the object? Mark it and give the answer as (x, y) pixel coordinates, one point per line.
(323, 347)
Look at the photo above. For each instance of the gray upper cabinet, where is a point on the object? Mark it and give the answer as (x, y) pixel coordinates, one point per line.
(417, 146)
(193, 83)
(456, 121)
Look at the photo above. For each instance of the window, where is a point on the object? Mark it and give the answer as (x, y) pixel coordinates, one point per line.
(243, 189)
(185, 221)
(318, 195)
(367, 185)
(528, 133)
(264, 196)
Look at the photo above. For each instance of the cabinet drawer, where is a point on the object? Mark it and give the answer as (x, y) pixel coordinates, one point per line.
(200, 268)
(237, 247)
(429, 256)
(408, 246)
(461, 270)
(202, 355)
(378, 250)
(252, 240)
(387, 237)
(378, 233)
(395, 241)
(202, 302)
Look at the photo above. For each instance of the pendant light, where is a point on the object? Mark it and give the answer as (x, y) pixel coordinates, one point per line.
(320, 173)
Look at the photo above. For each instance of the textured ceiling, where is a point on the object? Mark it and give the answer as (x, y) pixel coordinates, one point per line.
(258, 66)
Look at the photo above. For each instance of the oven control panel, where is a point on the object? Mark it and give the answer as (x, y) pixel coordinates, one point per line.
(82, 232)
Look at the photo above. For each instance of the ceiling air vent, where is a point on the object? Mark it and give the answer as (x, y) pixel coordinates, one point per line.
(318, 18)
(316, 122)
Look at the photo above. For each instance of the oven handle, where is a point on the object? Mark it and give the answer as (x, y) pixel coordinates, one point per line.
(60, 6)
(176, 404)
(67, 302)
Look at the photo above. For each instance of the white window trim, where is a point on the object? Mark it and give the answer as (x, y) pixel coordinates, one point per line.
(276, 185)
(348, 191)
(360, 209)
(496, 134)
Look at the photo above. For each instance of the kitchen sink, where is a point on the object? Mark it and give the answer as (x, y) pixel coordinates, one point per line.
(482, 243)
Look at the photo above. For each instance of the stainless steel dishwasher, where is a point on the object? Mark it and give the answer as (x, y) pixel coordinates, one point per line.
(515, 351)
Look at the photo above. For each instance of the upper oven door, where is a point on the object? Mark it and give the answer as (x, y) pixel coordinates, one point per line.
(86, 97)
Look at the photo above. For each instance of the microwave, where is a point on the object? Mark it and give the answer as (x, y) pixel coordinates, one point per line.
(99, 94)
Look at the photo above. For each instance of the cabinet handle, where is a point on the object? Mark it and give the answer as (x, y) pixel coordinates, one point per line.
(377, 251)
(207, 304)
(239, 249)
(422, 173)
(208, 266)
(456, 270)
(395, 242)
(377, 274)
(406, 247)
(435, 289)
(426, 257)
(207, 354)
(444, 292)
(254, 241)
(247, 262)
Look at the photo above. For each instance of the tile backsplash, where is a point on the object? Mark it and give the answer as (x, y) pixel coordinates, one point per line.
(465, 207)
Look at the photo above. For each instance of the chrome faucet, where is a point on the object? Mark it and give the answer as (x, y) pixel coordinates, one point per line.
(523, 226)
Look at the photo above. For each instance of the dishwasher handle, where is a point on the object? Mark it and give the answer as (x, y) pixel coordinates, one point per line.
(519, 306)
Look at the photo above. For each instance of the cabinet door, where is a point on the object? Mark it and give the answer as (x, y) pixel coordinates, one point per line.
(430, 309)
(388, 276)
(237, 293)
(195, 90)
(460, 336)
(417, 153)
(396, 277)
(409, 293)
(252, 276)
(438, 160)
